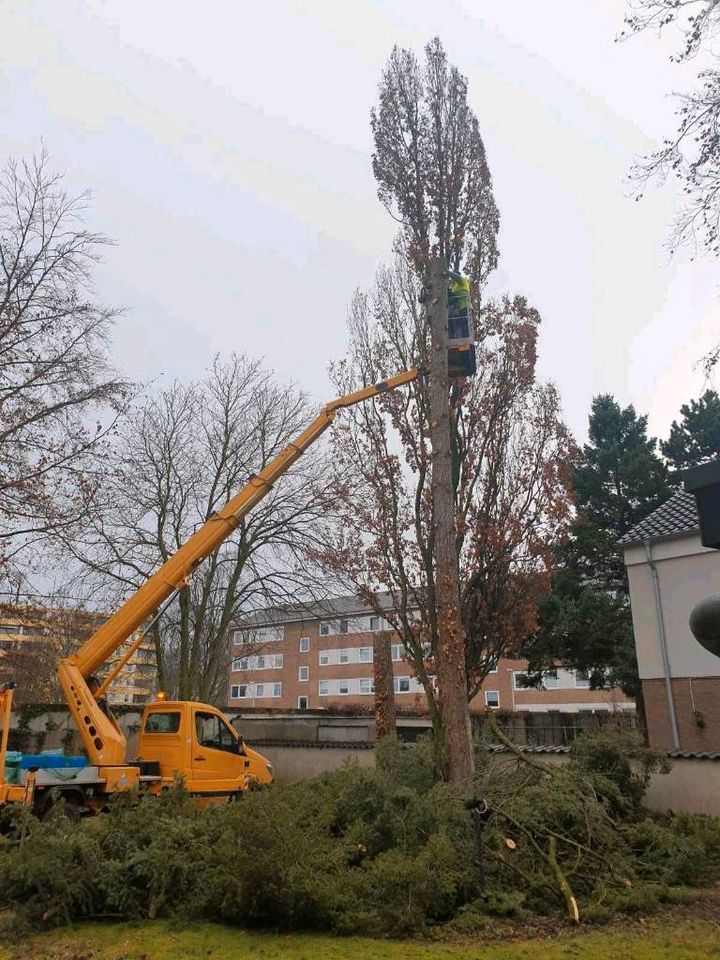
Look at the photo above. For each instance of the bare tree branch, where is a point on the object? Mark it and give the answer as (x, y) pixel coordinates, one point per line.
(59, 397)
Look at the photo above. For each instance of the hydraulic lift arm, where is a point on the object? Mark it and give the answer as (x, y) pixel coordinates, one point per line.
(102, 737)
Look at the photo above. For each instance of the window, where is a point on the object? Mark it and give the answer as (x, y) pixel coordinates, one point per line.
(401, 684)
(330, 627)
(302, 703)
(213, 732)
(492, 699)
(520, 680)
(374, 623)
(304, 645)
(273, 661)
(366, 654)
(259, 689)
(366, 686)
(259, 635)
(396, 652)
(277, 690)
(10, 628)
(551, 680)
(235, 692)
(162, 722)
(323, 688)
(344, 656)
(582, 680)
(493, 668)
(343, 687)
(303, 674)
(324, 658)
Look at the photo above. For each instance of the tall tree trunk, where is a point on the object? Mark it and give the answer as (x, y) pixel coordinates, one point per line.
(384, 690)
(450, 655)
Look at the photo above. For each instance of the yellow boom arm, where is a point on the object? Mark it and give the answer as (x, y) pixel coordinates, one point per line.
(102, 738)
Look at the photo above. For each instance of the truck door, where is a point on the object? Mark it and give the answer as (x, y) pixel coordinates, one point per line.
(216, 761)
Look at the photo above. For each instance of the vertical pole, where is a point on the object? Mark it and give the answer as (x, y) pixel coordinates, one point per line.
(662, 638)
(451, 674)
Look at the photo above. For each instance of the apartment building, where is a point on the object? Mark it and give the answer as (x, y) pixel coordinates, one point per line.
(33, 639)
(321, 656)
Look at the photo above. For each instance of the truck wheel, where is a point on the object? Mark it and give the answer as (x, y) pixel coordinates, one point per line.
(61, 808)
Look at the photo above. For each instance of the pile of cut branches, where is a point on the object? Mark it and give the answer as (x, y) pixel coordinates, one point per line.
(388, 851)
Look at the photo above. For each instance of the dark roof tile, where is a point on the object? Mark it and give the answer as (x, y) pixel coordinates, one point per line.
(677, 515)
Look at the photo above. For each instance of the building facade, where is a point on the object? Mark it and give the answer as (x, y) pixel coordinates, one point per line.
(33, 639)
(669, 571)
(321, 656)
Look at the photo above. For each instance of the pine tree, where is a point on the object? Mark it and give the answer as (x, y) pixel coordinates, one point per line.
(696, 438)
(585, 622)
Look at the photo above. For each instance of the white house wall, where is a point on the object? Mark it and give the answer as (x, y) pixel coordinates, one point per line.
(687, 573)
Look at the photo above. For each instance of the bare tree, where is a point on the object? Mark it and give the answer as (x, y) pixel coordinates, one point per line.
(691, 154)
(59, 395)
(432, 175)
(511, 477)
(178, 459)
(430, 165)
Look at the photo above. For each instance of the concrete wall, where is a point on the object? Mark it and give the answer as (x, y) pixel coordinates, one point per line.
(296, 762)
(692, 786)
(55, 729)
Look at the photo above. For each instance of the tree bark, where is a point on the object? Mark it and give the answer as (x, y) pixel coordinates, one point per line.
(384, 691)
(450, 654)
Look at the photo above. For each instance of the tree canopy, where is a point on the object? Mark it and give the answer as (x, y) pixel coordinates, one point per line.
(59, 395)
(177, 459)
(695, 438)
(585, 622)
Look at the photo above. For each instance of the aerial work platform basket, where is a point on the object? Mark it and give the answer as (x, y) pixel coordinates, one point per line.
(461, 340)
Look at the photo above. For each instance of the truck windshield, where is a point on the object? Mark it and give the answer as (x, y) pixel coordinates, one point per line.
(213, 732)
(162, 722)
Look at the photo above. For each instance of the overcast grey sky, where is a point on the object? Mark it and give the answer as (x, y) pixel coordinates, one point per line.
(227, 145)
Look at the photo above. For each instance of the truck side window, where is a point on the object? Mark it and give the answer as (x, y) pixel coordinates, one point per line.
(212, 732)
(162, 722)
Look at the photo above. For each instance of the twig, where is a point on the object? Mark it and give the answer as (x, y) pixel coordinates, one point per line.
(565, 887)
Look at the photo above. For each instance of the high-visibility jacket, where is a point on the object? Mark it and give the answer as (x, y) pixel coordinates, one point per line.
(458, 306)
(458, 293)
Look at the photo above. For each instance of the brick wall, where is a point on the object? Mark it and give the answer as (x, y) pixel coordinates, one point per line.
(697, 709)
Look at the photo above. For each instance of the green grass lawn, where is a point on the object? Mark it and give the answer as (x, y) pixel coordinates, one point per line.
(678, 939)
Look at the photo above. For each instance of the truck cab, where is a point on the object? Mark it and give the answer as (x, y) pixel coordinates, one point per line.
(195, 740)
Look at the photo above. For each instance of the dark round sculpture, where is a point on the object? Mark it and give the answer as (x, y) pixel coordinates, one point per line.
(705, 623)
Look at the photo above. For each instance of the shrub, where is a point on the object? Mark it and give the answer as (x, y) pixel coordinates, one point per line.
(387, 851)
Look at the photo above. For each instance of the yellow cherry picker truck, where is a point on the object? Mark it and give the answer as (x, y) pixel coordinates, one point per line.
(177, 738)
